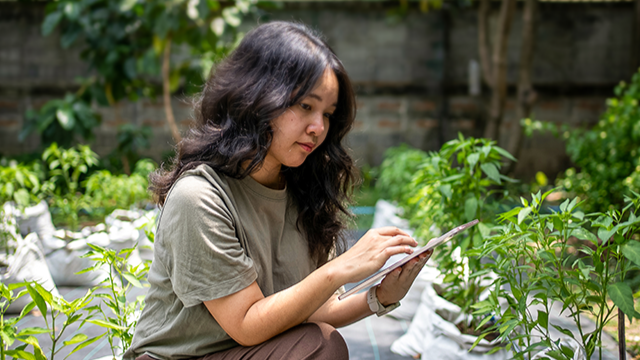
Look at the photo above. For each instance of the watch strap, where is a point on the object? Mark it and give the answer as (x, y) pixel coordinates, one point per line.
(376, 306)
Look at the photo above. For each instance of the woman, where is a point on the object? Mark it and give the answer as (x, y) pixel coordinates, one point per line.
(252, 210)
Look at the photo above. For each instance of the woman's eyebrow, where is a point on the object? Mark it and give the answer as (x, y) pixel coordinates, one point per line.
(317, 97)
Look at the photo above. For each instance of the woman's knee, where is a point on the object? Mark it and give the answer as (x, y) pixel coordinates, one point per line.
(329, 344)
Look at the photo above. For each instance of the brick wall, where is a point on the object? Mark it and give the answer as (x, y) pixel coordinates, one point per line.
(582, 51)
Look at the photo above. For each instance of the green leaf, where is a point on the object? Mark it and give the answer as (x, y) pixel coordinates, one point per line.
(631, 250)
(622, 297)
(26, 309)
(491, 171)
(445, 190)
(107, 324)
(472, 159)
(475, 343)
(32, 331)
(50, 22)
(543, 319)
(583, 234)
(130, 68)
(69, 37)
(37, 298)
(605, 234)
(484, 229)
(46, 295)
(66, 118)
(86, 343)
(564, 331)
(470, 208)
(76, 339)
(20, 354)
(523, 214)
(232, 16)
(126, 5)
(504, 153)
(132, 280)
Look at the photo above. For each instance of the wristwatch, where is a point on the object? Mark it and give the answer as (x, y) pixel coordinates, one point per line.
(376, 306)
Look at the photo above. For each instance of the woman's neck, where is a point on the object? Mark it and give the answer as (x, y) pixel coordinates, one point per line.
(269, 176)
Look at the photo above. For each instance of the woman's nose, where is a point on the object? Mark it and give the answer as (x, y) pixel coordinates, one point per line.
(316, 127)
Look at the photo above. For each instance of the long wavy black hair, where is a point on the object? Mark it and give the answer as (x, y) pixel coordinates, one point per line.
(275, 66)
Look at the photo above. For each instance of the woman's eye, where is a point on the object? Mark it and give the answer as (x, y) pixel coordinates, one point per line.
(328, 115)
(305, 106)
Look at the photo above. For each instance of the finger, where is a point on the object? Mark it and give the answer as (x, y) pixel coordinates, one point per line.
(401, 240)
(395, 250)
(391, 231)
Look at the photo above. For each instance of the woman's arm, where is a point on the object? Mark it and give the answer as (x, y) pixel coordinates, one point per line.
(250, 318)
(392, 289)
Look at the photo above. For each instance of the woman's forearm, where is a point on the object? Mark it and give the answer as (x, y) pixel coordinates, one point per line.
(250, 318)
(340, 313)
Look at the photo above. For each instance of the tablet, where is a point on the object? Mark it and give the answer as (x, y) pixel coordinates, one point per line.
(383, 272)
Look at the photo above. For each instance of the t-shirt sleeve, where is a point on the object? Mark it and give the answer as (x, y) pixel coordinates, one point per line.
(202, 253)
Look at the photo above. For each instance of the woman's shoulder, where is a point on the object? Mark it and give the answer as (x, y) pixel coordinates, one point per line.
(197, 185)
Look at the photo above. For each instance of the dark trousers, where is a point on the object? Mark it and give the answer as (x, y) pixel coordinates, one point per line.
(310, 341)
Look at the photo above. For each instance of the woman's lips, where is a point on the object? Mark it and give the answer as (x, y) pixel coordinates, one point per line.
(306, 146)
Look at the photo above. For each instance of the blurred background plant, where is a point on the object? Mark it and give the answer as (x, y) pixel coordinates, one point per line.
(62, 121)
(105, 192)
(131, 140)
(606, 156)
(20, 182)
(127, 45)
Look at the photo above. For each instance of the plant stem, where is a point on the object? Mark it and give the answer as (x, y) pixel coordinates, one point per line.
(622, 345)
(53, 334)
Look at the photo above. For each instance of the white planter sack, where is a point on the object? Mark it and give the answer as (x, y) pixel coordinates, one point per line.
(434, 335)
(28, 264)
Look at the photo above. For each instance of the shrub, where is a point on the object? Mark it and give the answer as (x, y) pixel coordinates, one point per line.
(444, 189)
(567, 257)
(607, 156)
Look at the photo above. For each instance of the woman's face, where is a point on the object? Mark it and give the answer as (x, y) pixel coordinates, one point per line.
(303, 126)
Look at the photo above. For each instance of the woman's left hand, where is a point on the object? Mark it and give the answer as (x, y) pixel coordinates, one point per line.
(397, 283)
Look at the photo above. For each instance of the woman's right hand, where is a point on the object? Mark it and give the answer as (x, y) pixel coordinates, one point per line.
(371, 252)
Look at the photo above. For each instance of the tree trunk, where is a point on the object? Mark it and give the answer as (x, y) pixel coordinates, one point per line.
(499, 70)
(443, 106)
(635, 48)
(166, 92)
(484, 47)
(526, 94)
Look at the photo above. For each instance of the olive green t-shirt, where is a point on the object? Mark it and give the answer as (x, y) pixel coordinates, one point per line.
(215, 236)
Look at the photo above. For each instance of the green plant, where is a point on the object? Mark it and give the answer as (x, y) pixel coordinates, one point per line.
(67, 165)
(106, 192)
(397, 171)
(62, 121)
(127, 45)
(9, 332)
(65, 168)
(444, 189)
(576, 260)
(20, 183)
(121, 277)
(53, 308)
(607, 155)
(454, 185)
(131, 139)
